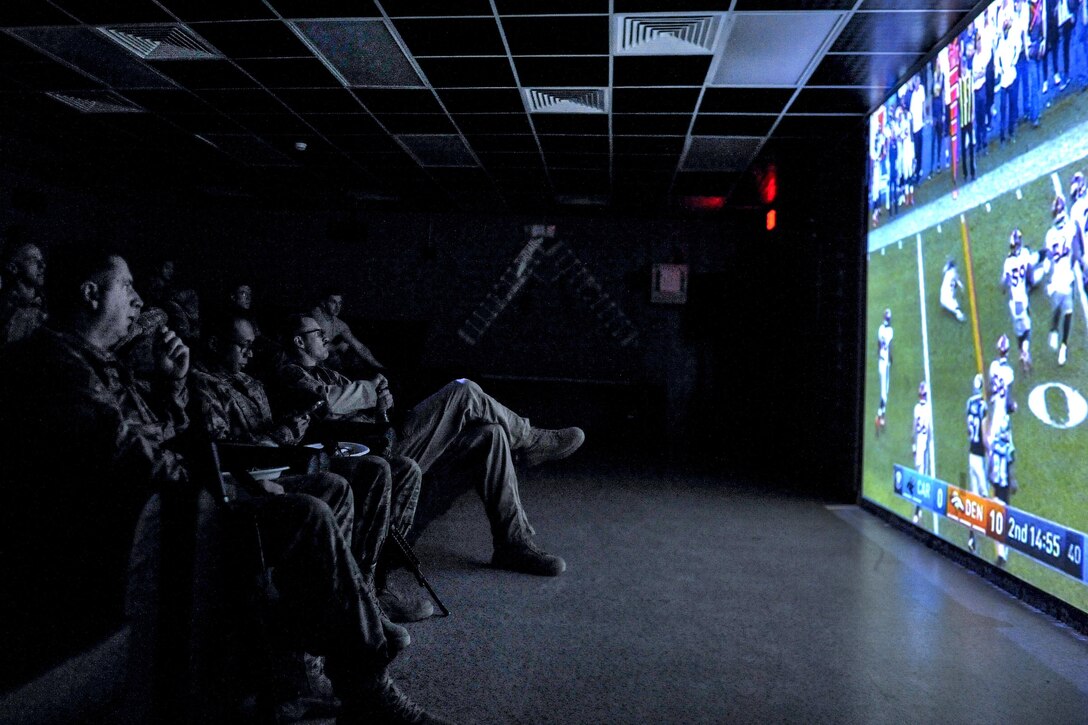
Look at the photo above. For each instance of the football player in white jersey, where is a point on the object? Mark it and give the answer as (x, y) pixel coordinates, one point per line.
(976, 447)
(950, 282)
(1059, 244)
(1016, 276)
(1078, 214)
(884, 335)
(1002, 404)
(920, 436)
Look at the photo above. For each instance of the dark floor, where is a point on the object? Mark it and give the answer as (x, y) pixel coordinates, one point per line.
(690, 599)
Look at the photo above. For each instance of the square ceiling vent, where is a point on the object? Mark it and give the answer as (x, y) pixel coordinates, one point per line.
(687, 34)
(160, 42)
(566, 100)
(96, 101)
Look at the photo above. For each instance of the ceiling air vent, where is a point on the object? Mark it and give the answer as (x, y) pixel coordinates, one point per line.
(96, 102)
(566, 100)
(160, 42)
(666, 34)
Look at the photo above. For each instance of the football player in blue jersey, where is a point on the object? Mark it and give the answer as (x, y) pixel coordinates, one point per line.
(976, 447)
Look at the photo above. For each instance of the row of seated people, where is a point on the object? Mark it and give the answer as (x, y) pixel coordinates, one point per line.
(95, 441)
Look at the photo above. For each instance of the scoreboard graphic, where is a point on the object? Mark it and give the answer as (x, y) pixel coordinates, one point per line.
(1051, 544)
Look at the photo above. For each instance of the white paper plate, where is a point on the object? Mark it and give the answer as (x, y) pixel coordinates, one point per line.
(267, 474)
(347, 449)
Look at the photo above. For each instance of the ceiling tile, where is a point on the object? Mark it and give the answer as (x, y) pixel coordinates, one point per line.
(343, 123)
(511, 160)
(493, 123)
(290, 73)
(719, 153)
(13, 50)
(257, 39)
(504, 143)
(773, 49)
(362, 51)
(371, 143)
(49, 76)
(248, 149)
(837, 100)
(262, 123)
(705, 183)
(745, 100)
(168, 101)
(204, 73)
(242, 100)
(218, 9)
(451, 36)
(672, 145)
(468, 72)
(398, 100)
(415, 123)
(320, 100)
(449, 150)
(558, 71)
(100, 12)
(910, 32)
(654, 100)
(560, 35)
(808, 126)
(90, 51)
(574, 144)
(597, 162)
(550, 7)
(579, 181)
(398, 8)
(205, 123)
(489, 100)
(863, 70)
(776, 5)
(32, 13)
(638, 162)
(648, 124)
(667, 6)
(292, 9)
(720, 124)
(675, 70)
(572, 123)
(961, 5)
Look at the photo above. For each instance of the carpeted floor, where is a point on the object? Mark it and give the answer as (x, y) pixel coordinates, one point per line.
(689, 598)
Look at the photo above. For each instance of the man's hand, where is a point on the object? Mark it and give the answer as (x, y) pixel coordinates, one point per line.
(385, 398)
(173, 355)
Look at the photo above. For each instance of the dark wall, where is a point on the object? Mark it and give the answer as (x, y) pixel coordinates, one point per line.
(750, 375)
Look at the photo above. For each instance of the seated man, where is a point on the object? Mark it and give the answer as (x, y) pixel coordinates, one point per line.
(460, 436)
(22, 309)
(92, 453)
(346, 353)
(235, 407)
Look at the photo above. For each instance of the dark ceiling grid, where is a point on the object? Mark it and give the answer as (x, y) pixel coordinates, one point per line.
(474, 60)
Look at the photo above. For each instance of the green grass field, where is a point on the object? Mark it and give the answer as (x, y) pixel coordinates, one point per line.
(1049, 460)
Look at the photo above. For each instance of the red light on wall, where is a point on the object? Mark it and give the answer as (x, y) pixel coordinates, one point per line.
(768, 185)
(772, 219)
(703, 203)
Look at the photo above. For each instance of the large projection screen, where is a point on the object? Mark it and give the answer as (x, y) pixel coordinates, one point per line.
(976, 268)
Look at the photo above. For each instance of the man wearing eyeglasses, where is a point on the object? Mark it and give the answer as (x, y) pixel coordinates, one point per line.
(235, 407)
(461, 437)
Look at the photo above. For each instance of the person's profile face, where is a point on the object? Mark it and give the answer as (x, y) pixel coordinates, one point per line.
(238, 349)
(118, 302)
(168, 270)
(333, 304)
(29, 265)
(311, 339)
(242, 296)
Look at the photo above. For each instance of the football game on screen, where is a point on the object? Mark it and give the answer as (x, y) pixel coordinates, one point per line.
(976, 363)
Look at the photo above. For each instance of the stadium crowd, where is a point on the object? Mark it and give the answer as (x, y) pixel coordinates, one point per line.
(1006, 68)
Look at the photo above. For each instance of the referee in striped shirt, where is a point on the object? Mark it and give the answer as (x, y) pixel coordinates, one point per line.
(967, 109)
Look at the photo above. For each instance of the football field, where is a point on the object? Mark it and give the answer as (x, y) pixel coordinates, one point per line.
(1051, 447)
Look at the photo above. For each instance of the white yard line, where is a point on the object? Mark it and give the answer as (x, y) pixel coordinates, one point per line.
(925, 356)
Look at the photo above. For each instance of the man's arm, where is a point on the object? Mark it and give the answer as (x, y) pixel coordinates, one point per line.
(343, 397)
(343, 332)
